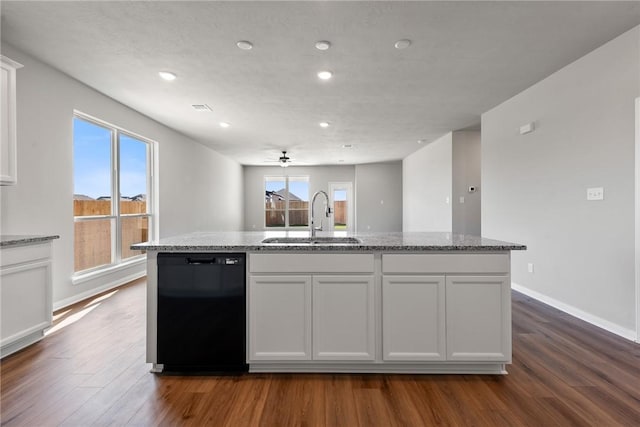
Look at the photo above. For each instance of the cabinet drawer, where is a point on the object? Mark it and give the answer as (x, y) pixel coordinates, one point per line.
(445, 263)
(27, 253)
(311, 263)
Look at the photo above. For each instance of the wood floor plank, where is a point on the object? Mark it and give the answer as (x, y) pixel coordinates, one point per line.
(91, 372)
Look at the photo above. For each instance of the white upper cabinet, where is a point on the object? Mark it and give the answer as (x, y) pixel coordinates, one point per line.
(8, 144)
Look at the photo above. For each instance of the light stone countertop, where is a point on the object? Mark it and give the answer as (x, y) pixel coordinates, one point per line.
(8, 240)
(242, 241)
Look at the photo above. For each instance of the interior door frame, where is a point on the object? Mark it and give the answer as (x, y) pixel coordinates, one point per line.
(348, 187)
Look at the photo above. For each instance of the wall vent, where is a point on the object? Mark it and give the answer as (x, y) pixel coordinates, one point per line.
(201, 107)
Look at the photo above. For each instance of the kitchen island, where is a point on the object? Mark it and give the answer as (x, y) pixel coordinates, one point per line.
(384, 302)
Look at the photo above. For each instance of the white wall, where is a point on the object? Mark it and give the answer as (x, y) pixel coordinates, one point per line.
(426, 178)
(378, 192)
(466, 172)
(198, 188)
(319, 178)
(534, 185)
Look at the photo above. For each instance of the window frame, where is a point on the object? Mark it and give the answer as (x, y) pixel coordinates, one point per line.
(116, 217)
(286, 179)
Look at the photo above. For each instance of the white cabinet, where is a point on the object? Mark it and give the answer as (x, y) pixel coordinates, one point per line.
(343, 318)
(280, 318)
(8, 144)
(452, 307)
(478, 318)
(413, 318)
(323, 311)
(396, 312)
(25, 295)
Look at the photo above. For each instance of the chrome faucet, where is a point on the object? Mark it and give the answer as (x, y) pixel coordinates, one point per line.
(327, 211)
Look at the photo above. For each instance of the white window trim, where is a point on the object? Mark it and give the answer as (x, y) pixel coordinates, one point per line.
(117, 263)
(286, 226)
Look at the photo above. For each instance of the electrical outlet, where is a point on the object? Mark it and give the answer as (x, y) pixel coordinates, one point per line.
(595, 193)
(530, 267)
(461, 199)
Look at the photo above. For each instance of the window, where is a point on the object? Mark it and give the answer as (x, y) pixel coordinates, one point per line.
(286, 202)
(112, 193)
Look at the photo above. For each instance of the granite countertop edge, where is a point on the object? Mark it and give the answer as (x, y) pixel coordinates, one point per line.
(325, 248)
(18, 240)
(370, 242)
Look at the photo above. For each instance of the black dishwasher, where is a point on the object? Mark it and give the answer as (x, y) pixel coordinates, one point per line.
(201, 312)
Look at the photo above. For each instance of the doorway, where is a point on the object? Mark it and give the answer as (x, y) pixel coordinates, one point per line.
(341, 202)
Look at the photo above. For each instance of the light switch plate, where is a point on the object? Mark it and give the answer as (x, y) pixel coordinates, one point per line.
(595, 193)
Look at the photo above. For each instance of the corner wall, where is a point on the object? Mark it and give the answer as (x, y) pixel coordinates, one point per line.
(534, 185)
(199, 189)
(466, 172)
(426, 189)
(378, 193)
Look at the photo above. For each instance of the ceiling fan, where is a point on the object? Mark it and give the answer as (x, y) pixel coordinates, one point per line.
(283, 160)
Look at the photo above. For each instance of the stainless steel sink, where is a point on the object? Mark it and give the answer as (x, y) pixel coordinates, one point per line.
(313, 240)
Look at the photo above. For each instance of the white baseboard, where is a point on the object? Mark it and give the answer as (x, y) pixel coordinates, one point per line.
(626, 333)
(95, 291)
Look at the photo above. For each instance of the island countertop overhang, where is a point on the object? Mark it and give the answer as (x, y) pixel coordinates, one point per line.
(251, 241)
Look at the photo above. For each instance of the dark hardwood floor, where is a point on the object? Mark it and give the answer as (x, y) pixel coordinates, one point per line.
(91, 371)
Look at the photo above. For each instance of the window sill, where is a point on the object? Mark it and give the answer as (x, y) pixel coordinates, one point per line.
(77, 279)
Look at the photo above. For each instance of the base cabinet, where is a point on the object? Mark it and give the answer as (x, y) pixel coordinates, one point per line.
(413, 318)
(283, 319)
(25, 296)
(343, 318)
(478, 318)
(280, 318)
(403, 313)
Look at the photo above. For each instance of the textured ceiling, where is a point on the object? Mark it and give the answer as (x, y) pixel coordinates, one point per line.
(466, 57)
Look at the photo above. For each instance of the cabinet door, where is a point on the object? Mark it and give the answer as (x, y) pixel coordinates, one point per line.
(413, 318)
(25, 301)
(478, 318)
(343, 318)
(8, 157)
(280, 317)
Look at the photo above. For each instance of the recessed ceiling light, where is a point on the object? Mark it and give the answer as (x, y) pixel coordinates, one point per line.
(166, 75)
(340, 161)
(245, 45)
(224, 125)
(347, 145)
(323, 45)
(422, 141)
(324, 124)
(325, 75)
(402, 44)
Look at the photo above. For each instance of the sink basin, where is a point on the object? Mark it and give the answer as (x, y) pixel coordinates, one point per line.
(313, 241)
